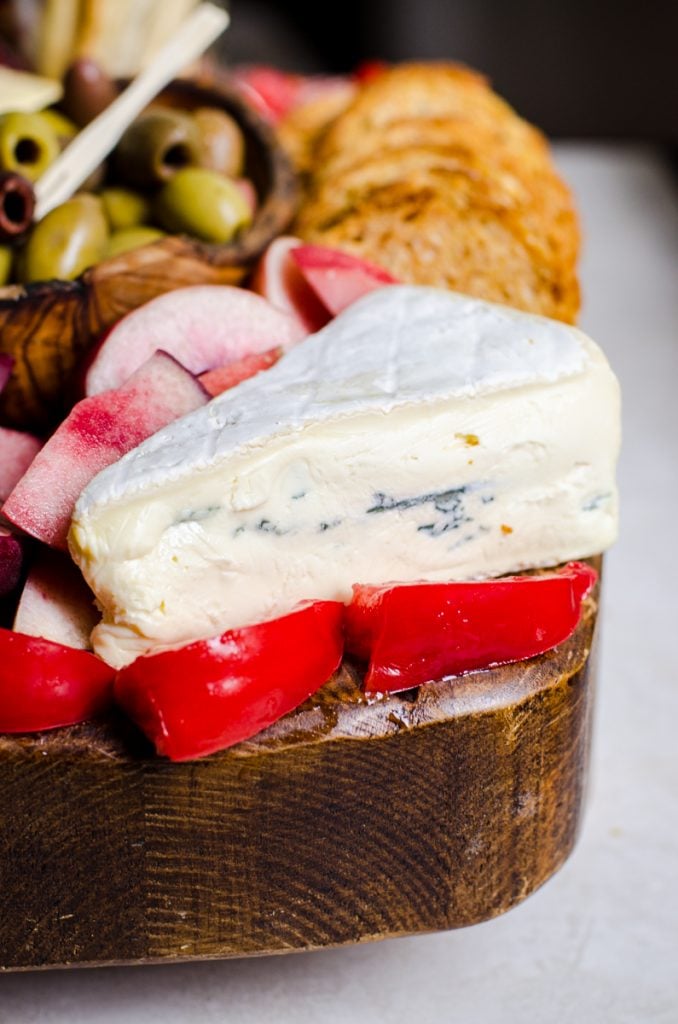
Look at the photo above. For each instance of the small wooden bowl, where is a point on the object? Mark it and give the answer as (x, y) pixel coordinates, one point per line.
(49, 326)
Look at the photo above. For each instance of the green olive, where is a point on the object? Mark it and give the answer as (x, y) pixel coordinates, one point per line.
(124, 208)
(69, 239)
(222, 144)
(131, 238)
(28, 144)
(155, 146)
(204, 204)
(62, 126)
(6, 258)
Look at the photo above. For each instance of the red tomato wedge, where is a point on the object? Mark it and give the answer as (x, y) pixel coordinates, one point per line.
(213, 693)
(413, 633)
(44, 684)
(337, 278)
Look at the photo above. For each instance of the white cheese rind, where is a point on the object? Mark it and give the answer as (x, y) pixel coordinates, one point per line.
(355, 459)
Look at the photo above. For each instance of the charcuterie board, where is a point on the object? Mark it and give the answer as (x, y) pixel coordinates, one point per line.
(346, 821)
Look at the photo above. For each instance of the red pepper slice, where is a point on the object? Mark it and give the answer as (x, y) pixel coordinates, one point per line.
(44, 684)
(213, 693)
(413, 633)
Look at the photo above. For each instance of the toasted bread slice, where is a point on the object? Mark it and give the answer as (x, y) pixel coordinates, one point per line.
(433, 176)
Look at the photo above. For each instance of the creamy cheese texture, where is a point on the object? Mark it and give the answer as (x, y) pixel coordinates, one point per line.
(421, 435)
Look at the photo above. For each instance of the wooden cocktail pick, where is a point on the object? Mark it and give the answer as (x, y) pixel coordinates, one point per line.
(93, 144)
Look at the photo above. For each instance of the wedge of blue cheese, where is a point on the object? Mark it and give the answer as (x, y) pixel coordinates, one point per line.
(421, 435)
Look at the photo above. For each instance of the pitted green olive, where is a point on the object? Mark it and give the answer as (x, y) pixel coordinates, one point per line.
(6, 258)
(67, 241)
(124, 208)
(222, 144)
(204, 204)
(131, 238)
(62, 126)
(156, 146)
(28, 144)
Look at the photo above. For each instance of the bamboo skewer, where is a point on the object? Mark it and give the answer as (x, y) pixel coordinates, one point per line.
(95, 142)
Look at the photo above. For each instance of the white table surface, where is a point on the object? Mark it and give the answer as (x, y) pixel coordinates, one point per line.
(599, 943)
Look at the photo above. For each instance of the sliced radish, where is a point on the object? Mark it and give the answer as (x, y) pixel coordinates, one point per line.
(56, 603)
(204, 327)
(337, 278)
(278, 278)
(11, 559)
(217, 381)
(96, 433)
(17, 451)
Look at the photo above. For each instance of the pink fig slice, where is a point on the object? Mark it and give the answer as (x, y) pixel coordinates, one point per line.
(278, 278)
(96, 433)
(217, 381)
(337, 278)
(17, 451)
(56, 603)
(11, 560)
(203, 326)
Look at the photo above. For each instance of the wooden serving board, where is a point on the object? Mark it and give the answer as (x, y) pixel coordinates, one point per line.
(346, 821)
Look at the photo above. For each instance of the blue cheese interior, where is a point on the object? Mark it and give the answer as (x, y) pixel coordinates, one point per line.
(420, 435)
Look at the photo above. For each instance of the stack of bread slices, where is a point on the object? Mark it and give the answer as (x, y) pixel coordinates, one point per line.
(432, 175)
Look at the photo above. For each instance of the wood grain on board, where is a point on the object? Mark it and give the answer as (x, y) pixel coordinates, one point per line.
(348, 820)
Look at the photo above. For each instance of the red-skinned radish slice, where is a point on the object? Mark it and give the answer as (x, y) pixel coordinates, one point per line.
(337, 278)
(17, 451)
(96, 433)
(278, 278)
(204, 326)
(56, 603)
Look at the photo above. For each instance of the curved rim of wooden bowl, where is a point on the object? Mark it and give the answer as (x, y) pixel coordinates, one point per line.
(272, 217)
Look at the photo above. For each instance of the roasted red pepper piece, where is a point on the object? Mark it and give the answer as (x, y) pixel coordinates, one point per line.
(413, 633)
(44, 684)
(213, 693)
